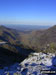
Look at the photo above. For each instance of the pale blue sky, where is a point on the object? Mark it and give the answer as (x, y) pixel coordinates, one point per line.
(28, 12)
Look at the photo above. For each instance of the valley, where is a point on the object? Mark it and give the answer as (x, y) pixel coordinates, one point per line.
(27, 52)
(27, 37)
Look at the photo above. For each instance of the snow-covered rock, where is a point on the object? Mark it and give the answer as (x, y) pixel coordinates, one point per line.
(34, 64)
(39, 61)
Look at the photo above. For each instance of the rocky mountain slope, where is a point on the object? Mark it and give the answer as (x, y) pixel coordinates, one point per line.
(35, 64)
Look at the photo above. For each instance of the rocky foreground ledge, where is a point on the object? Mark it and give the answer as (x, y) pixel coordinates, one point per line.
(35, 64)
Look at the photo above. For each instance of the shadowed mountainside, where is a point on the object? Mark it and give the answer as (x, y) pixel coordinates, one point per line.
(7, 57)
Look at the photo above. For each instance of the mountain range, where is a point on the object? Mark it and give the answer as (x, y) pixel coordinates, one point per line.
(35, 40)
(27, 27)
